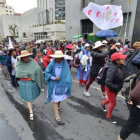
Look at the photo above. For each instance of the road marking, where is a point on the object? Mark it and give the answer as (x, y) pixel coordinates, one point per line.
(96, 88)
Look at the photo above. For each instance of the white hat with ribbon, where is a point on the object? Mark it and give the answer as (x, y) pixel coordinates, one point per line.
(58, 54)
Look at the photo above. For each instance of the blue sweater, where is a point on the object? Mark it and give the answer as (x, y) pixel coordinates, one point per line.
(64, 83)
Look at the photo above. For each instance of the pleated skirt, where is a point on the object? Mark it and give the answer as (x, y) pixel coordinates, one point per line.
(28, 90)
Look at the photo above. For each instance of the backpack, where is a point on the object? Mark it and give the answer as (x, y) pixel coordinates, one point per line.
(102, 75)
(77, 61)
(129, 84)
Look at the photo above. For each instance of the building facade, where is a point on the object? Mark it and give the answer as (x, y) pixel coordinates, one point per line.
(37, 23)
(78, 23)
(5, 9)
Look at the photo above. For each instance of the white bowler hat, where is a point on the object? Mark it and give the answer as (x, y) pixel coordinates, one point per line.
(58, 54)
(25, 53)
(98, 44)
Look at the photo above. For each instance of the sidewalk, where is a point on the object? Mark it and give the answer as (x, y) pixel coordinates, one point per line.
(4, 128)
(12, 124)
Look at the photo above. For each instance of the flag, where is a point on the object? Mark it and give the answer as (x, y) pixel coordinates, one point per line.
(10, 44)
(104, 17)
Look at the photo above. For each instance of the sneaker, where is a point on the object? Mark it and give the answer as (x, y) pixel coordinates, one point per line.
(103, 108)
(111, 120)
(87, 94)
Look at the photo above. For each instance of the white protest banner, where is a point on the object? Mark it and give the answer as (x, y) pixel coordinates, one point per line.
(104, 17)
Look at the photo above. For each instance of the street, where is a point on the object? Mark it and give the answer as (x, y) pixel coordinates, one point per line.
(83, 117)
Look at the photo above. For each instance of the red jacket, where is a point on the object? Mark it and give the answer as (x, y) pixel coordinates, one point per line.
(50, 52)
(46, 60)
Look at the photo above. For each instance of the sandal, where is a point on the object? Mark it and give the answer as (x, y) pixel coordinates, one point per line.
(59, 122)
(60, 109)
(31, 116)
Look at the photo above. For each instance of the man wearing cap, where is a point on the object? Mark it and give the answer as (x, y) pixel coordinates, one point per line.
(113, 83)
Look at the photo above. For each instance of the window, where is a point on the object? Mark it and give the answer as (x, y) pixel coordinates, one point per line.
(87, 27)
(24, 35)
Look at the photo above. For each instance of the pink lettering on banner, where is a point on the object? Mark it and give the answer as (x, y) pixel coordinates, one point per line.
(98, 13)
(112, 19)
(115, 14)
(89, 12)
(117, 20)
(107, 7)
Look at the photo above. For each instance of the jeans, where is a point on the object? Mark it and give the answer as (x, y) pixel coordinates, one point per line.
(132, 123)
(111, 100)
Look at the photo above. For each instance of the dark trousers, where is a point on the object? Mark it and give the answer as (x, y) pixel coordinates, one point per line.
(132, 123)
(90, 81)
(14, 81)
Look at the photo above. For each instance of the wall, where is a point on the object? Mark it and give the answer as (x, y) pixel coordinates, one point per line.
(28, 19)
(9, 20)
(73, 16)
(136, 32)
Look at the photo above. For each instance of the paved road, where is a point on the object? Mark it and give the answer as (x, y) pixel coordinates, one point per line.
(84, 120)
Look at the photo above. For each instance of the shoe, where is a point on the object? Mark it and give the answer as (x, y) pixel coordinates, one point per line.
(60, 109)
(111, 120)
(104, 97)
(87, 94)
(59, 122)
(103, 108)
(31, 116)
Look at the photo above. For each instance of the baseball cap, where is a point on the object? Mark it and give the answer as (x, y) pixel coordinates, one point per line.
(117, 56)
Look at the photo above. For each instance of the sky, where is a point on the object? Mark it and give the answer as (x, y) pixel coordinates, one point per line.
(20, 6)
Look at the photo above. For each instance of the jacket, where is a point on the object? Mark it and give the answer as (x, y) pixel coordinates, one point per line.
(114, 78)
(98, 61)
(46, 60)
(50, 52)
(135, 95)
(64, 85)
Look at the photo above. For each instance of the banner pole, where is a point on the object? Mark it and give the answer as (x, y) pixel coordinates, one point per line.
(126, 24)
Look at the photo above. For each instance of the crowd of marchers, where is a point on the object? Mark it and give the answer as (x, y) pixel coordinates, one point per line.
(113, 65)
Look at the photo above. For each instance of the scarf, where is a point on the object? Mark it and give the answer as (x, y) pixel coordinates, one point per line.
(30, 70)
